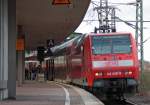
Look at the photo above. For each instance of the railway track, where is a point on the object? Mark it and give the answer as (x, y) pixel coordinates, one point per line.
(121, 102)
(114, 100)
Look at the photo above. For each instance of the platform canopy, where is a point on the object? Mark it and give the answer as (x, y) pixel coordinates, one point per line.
(41, 20)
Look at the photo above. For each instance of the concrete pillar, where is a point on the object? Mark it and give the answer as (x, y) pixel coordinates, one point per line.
(7, 49)
(12, 49)
(20, 57)
(20, 67)
(3, 49)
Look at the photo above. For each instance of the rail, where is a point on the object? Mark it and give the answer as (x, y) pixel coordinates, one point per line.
(119, 102)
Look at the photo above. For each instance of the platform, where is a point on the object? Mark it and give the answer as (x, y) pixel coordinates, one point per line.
(51, 93)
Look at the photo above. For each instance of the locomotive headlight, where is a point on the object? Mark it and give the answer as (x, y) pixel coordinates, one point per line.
(98, 74)
(128, 73)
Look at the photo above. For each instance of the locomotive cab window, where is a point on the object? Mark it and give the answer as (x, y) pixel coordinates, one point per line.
(111, 44)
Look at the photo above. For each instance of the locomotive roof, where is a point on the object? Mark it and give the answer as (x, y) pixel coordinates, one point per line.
(59, 49)
(112, 33)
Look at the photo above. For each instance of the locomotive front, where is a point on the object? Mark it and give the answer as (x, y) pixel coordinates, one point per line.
(114, 63)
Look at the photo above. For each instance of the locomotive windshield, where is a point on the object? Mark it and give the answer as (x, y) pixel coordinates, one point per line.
(111, 44)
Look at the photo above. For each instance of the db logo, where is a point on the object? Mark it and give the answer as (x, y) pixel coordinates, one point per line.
(112, 63)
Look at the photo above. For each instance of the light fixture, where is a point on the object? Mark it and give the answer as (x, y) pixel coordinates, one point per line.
(61, 2)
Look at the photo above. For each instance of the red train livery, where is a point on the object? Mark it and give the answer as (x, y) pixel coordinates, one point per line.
(106, 62)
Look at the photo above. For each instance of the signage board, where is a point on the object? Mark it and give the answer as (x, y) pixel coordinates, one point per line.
(20, 44)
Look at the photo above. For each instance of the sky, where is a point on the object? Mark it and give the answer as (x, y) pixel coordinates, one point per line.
(125, 12)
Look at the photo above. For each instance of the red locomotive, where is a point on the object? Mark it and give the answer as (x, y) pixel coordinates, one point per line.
(106, 62)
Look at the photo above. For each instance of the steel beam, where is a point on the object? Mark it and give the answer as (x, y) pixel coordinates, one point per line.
(139, 31)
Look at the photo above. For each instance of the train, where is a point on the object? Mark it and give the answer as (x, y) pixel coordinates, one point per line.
(105, 63)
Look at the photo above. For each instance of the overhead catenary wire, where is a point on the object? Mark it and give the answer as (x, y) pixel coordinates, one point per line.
(117, 19)
(145, 21)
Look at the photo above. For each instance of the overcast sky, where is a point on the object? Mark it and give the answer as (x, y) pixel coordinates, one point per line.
(125, 12)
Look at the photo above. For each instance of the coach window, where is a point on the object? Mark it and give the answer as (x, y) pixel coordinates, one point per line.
(81, 48)
(77, 50)
(68, 50)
